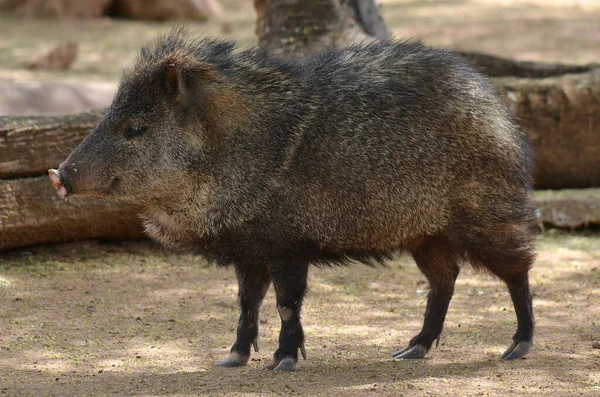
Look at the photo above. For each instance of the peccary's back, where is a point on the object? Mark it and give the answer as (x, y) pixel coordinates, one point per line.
(400, 142)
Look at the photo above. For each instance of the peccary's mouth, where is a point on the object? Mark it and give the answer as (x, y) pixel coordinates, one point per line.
(61, 183)
(58, 185)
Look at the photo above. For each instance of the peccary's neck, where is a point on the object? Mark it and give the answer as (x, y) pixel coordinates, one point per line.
(254, 116)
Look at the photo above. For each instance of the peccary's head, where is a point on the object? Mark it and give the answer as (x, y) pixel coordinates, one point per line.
(153, 140)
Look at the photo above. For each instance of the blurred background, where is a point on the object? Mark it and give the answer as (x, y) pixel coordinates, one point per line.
(93, 40)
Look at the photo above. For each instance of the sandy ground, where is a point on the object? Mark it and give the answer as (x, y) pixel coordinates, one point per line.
(130, 319)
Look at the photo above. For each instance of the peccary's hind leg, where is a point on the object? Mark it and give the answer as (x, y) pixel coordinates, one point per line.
(290, 286)
(508, 253)
(253, 282)
(438, 262)
(521, 297)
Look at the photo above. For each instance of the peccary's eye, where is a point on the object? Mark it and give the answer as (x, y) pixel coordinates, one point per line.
(133, 132)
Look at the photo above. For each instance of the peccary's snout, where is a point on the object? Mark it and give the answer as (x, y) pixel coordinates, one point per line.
(59, 182)
(76, 178)
(86, 171)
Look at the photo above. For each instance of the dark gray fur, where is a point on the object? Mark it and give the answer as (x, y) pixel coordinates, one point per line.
(352, 154)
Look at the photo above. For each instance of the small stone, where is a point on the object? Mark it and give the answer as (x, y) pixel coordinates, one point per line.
(59, 58)
(596, 344)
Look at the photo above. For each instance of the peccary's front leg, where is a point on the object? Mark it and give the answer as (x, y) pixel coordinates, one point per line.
(253, 282)
(290, 286)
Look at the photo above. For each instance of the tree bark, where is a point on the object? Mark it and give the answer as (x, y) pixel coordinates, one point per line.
(561, 117)
(296, 28)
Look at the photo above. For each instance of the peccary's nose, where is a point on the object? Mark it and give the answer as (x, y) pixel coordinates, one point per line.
(59, 182)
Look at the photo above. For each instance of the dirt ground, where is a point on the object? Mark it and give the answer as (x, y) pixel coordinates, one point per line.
(100, 319)
(97, 319)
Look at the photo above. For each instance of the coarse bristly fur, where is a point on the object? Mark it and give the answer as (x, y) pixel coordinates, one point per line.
(351, 154)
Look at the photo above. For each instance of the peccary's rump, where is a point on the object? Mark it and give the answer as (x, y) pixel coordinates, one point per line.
(351, 154)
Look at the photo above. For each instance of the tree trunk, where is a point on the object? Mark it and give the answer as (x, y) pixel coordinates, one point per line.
(296, 28)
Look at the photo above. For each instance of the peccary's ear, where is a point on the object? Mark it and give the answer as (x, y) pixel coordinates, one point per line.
(174, 82)
(178, 83)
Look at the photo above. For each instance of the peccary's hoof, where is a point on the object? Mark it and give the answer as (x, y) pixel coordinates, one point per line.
(414, 352)
(517, 350)
(287, 364)
(233, 359)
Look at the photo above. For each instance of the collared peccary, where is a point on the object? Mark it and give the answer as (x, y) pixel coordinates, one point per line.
(350, 155)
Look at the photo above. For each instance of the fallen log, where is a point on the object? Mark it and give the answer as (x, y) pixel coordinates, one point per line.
(30, 146)
(30, 210)
(568, 209)
(32, 213)
(561, 117)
